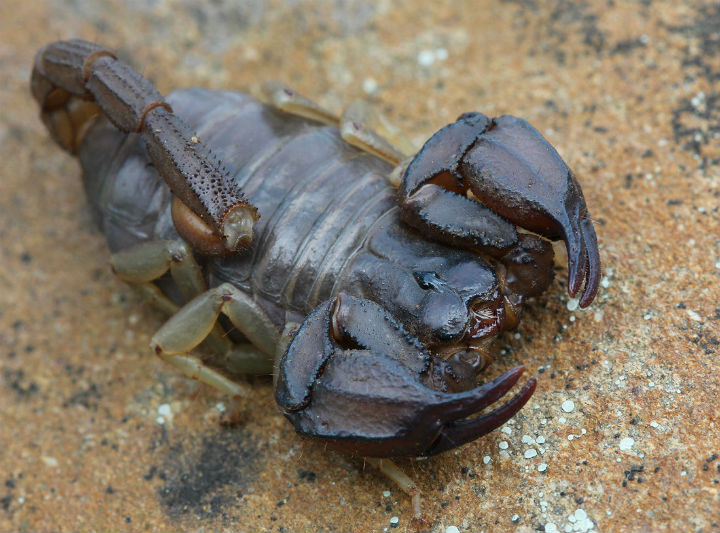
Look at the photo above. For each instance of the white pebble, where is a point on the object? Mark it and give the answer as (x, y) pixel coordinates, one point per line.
(694, 316)
(369, 85)
(425, 58)
(160, 420)
(515, 517)
(540, 440)
(49, 460)
(573, 304)
(527, 439)
(452, 529)
(582, 522)
(626, 444)
(542, 467)
(562, 420)
(487, 459)
(220, 407)
(551, 528)
(394, 521)
(529, 454)
(507, 430)
(568, 406)
(165, 410)
(654, 424)
(387, 494)
(503, 445)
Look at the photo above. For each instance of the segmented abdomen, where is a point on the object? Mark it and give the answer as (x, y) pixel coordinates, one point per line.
(317, 196)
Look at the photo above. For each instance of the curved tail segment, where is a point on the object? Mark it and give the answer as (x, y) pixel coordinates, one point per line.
(75, 81)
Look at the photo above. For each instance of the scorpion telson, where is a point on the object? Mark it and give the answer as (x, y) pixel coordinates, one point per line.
(373, 306)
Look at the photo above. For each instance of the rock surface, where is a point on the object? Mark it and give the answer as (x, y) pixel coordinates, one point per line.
(623, 432)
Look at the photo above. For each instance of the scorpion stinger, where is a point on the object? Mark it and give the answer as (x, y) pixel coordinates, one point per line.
(512, 170)
(352, 352)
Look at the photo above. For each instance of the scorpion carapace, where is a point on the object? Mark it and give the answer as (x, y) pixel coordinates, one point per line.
(372, 306)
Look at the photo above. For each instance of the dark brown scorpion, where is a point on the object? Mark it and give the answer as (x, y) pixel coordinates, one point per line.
(379, 301)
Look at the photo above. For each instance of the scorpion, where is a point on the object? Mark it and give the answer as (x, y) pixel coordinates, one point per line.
(368, 283)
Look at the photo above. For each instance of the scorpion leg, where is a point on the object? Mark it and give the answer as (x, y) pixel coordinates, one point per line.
(359, 124)
(290, 101)
(141, 265)
(401, 479)
(148, 261)
(193, 322)
(367, 129)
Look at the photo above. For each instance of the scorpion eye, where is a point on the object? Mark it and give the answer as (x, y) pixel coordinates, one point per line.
(428, 280)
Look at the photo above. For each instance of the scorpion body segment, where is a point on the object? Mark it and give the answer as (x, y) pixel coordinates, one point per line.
(380, 303)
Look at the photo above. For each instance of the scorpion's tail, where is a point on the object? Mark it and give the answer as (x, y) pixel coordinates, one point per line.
(76, 81)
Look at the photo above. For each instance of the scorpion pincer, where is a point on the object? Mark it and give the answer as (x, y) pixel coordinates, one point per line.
(378, 280)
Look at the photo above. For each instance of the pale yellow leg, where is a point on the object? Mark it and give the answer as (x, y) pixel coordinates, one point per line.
(140, 265)
(401, 479)
(364, 127)
(360, 125)
(194, 321)
(290, 101)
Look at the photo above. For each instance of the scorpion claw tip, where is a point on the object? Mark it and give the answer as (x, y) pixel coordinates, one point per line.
(461, 432)
(468, 403)
(593, 272)
(583, 260)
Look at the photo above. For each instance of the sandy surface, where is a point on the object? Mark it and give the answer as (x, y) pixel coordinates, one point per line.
(97, 434)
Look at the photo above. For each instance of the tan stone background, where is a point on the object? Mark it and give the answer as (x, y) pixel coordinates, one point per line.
(629, 92)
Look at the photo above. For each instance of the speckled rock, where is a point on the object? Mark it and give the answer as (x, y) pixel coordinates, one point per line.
(623, 432)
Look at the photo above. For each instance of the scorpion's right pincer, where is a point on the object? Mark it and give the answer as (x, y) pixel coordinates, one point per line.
(517, 176)
(352, 352)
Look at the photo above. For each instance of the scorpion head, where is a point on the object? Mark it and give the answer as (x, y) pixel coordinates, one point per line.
(452, 300)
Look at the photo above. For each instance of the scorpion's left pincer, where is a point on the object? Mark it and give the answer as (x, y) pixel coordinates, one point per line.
(352, 352)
